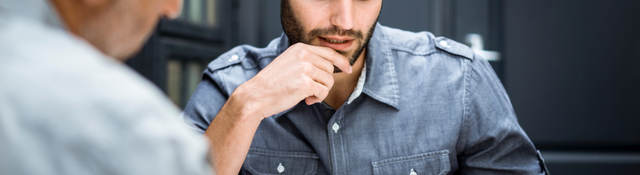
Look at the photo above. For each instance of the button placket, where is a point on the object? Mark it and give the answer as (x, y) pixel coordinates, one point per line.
(335, 127)
(336, 144)
(280, 168)
(413, 172)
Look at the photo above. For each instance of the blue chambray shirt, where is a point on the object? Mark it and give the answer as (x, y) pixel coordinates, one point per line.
(423, 105)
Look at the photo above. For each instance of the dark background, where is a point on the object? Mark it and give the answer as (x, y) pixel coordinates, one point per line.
(569, 66)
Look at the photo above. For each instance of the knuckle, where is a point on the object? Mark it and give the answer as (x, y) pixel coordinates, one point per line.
(302, 86)
(331, 67)
(307, 67)
(307, 82)
(301, 46)
(325, 92)
(303, 53)
(324, 89)
(320, 91)
(296, 46)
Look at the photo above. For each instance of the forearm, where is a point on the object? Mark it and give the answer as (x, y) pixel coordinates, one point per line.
(230, 135)
(302, 72)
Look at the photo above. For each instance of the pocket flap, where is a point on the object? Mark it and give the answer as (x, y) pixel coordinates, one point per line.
(262, 161)
(431, 163)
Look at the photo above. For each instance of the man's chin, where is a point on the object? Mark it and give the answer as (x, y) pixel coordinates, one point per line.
(350, 55)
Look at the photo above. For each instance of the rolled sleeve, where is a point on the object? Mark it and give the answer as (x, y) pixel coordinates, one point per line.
(493, 142)
(204, 105)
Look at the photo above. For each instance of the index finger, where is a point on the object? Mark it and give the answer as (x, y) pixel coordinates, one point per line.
(334, 57)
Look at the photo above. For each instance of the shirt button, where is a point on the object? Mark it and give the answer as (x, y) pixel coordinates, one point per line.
(444, 43)
(280, 168)
(233, 58)
(413, 172)
(335, 127)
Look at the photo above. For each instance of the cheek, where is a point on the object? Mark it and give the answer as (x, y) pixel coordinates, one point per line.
(365, 22)
(311, 14)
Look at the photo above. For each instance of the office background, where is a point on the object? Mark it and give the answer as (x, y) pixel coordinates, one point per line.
(571, 67)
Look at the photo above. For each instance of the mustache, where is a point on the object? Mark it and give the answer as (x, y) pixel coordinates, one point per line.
(335, 31)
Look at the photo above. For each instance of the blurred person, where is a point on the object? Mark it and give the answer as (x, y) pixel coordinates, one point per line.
(339, 93)
(68, 105)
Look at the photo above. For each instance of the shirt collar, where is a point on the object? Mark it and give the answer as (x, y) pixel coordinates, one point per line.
(359, 86)
(381, 79)
(378, 78)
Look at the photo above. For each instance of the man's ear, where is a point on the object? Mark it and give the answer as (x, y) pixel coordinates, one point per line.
(172, 8)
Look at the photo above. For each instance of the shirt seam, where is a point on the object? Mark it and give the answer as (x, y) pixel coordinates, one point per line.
(465, 105)
(393, 80)
(413, 52)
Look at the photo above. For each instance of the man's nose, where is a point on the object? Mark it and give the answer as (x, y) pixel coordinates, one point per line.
(171, 8)
(342, 14)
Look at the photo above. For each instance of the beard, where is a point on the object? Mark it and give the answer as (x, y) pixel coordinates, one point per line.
(295, 32)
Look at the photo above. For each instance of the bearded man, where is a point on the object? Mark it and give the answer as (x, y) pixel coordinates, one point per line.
(339, 93)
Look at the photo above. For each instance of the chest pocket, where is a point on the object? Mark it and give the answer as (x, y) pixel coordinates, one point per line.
(263, 162)
(431, 163)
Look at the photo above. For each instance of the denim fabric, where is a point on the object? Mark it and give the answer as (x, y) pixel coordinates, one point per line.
(428, 106)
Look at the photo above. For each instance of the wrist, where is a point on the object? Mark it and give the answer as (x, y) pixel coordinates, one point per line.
(242, 105)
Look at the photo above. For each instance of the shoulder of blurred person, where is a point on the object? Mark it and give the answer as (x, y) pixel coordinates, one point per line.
(68, 109)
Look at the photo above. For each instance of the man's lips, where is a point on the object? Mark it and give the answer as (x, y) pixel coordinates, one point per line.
(336, 42)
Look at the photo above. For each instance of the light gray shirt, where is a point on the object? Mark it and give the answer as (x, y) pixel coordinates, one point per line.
(65, 108)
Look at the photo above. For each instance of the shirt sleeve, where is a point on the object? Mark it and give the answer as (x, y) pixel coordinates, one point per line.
(163, 145)
(491, 139)
(205, 103)
(146, 137)
(139, 135)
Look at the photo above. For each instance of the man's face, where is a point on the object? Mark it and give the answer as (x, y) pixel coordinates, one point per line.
(343, 25)
(120, 27)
